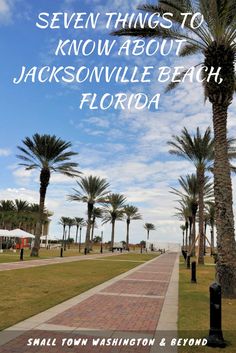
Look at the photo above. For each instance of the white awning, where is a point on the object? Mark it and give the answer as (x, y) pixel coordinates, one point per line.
(4, 233)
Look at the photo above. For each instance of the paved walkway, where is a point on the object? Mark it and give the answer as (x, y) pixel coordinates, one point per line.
(52, 261)
(140, 305)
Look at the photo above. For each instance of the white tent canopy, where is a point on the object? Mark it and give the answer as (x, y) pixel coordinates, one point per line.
(4, 233)
(19, 233)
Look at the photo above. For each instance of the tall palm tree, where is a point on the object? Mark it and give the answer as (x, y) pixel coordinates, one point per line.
(79, 223)
(184, 214)
(149, 227)
(211, 220)
(199, 149)
(215, 40)
(97, 213)
(92, 190)
(189, 202)
(114, 211)
(70, 224)
(49, 154)
(63, 221)
(190, 196)
(132, 213)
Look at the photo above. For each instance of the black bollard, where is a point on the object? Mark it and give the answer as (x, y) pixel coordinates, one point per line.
(188, 261)
(194, 278)
(184, 253)
(85, 251)
(61, 254)
(22, 254)
(215, 338)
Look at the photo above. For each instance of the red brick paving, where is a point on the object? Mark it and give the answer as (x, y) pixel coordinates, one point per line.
(150, 276)
(111, 312)
(138, 287)
(107, 312)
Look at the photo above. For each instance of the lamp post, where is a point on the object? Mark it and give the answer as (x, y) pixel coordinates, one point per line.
(101, 250)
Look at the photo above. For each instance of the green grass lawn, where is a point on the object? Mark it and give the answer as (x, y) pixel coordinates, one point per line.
(132, 257)
(194, 310)
(27, 292)
(9, 256)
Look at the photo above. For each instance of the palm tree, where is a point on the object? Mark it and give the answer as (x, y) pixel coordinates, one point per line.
(63, 222)
(93, 190)
(149, 227)
(97, 213)
(70, 223)
(48, 154)
(200, 151)
(190, 197)
(79, 222)
(215, 39)
(184, 214)
(132, 213)
(114, 211)
(211, 220)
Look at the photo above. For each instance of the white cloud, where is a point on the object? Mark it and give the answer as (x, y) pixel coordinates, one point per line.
(4, 152)
(6, 10)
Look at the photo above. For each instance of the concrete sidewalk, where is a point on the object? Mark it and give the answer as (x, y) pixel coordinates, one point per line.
(141, 303)
(52, 261)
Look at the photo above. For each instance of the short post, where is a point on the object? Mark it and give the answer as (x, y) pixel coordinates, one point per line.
(194, 278)
(188, 261)
(141, 249)
(215, 338)
(22, 254)
(61, 254)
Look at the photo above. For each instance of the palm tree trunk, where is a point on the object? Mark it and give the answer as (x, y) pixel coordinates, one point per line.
(212, 240)
(92, 233)
(113, 233)
(80, 233)
(88, 231)
(186, 238)
(44, 182)
(69, 237)
(205, 238)
(76, 235)
(127, 234)
(193, 237)
(226, 262)
(63, 236)
(93, 226)
(65, 242)
(201, 180)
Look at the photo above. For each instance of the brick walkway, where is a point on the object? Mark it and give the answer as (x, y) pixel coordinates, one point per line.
(133, 305)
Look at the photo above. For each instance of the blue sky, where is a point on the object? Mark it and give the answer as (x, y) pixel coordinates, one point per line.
(127, 147)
